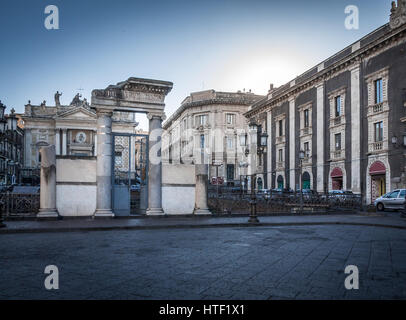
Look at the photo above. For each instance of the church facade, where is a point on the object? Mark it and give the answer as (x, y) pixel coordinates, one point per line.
(71, 128)
(347, 115)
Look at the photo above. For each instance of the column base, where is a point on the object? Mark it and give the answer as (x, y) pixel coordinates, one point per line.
(155, 212)
(103, 213)
(202, 212)
(47, 214)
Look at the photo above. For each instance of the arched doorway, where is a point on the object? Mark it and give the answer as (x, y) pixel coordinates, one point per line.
(377, 172)
(306, 181)
(337, 179)
(280, 182)
(260, 184)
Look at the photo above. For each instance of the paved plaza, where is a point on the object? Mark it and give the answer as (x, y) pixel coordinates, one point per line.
(288, 262)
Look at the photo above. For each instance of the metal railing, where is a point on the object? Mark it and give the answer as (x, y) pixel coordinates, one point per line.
(15, 205)
(226, 200)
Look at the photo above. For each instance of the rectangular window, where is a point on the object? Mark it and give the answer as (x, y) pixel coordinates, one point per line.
(306, 118)
(185, 123)
(280, 128)
(378, 131)
(306, 147)
(378, 91)
(230, 143)
(280, 155)
(338, 141)
(230, 118)
(202, 141)
(337, 106)
(201, 120)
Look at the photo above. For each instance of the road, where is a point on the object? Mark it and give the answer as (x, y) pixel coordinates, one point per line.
(305, 262)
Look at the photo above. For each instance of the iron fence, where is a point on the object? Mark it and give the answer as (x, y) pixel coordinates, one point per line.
(15, 205)
(226, 200)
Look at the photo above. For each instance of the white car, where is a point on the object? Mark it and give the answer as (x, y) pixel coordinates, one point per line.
(393, 200)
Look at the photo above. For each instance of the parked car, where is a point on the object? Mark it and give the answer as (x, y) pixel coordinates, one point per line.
(394, 200)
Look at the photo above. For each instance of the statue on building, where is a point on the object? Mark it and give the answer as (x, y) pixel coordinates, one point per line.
(76, 100)
(57, 101)
(43, 104)
(398, 14)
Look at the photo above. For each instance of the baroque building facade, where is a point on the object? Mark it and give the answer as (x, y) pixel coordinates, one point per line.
(207, 128)
(73, 130)
(348, 116)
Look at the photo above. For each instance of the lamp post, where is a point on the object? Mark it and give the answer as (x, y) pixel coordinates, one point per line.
(301, 157)
(2, 132)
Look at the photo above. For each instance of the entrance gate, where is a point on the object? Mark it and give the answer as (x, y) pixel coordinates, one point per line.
(130, 174)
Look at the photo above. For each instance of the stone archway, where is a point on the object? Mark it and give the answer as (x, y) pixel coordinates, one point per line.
(377, 177)
(133, 95)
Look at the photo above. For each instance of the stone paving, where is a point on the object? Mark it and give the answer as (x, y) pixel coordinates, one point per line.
(303, 262)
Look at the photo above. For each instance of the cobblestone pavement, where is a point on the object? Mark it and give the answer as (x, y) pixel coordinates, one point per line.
(305, 262)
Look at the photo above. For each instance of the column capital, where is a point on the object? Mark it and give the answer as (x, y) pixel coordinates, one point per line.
(161, 115)
(104, 112)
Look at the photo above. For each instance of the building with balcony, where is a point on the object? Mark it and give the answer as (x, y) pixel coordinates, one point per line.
(209, 127)
(348, 115)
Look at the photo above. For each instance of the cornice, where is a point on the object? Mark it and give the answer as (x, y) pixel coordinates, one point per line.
(351, 61)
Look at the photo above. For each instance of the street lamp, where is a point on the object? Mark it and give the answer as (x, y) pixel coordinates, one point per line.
(301, 158)
(253, 202)
(12, 121)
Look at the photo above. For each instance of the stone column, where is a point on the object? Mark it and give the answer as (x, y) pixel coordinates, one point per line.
(64, 142)
(104, 164)
(355, 129)
(155, 165)
(320, 137)
(57, 142)
(95, 144)
(48, 183)
(201, 207)
(292, 144)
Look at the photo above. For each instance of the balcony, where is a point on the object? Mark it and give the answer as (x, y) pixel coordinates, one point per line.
(337, 121)
(379, 146)
(280, 165)
(306, 131)
(337, 154)
(377, 108)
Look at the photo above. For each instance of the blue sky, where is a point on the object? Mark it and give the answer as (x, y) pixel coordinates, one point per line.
(224, 45)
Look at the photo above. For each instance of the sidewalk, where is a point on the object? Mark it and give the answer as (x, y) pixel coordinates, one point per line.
(390, 220)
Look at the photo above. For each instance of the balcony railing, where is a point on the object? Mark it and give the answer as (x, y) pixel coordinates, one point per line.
(305, 131)
(378, 146)
(280, 165)
(337, 154)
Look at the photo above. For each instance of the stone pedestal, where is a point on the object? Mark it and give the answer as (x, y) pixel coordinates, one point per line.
(155, 166)
(48, 184)
(201, 207)
(104, 164)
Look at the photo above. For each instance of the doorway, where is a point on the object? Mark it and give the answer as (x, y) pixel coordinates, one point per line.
(130, 174)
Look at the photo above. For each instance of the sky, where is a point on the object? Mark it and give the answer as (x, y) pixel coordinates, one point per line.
(226, 45)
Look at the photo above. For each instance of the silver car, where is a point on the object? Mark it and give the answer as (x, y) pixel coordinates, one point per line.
(392, 200)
